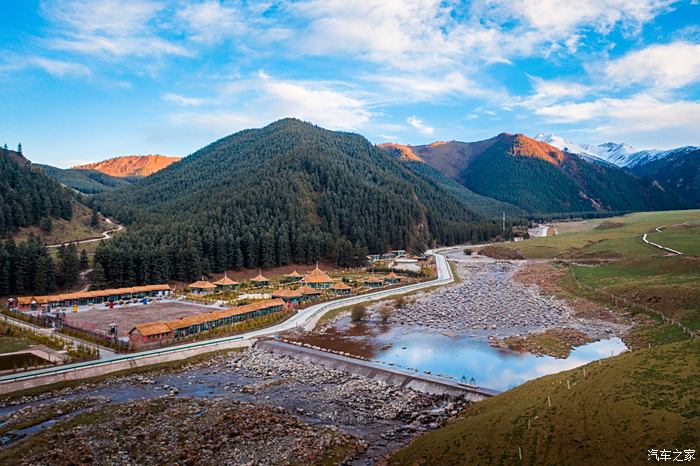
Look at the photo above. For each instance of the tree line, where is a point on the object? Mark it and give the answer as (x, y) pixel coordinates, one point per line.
(27, 267)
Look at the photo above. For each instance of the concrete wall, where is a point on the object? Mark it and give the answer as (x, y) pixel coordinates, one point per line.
(117, 364)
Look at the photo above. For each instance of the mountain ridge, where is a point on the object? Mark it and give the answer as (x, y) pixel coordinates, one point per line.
(130, 165)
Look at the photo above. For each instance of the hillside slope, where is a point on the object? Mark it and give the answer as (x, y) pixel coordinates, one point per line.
(486, 206)
(131, 165)
(679, 172)
(87, 181)
(647, 399)
(289, 192)
(28, 195)
(540, 178)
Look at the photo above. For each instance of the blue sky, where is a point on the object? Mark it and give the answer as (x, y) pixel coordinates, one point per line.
(86, 80)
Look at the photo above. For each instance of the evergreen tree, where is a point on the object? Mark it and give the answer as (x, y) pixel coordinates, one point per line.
(84, 263)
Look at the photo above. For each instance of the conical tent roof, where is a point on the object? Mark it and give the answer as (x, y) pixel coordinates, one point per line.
(259, 278)
(225, 281)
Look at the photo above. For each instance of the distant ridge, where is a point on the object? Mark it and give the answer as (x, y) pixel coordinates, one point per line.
(131, 165)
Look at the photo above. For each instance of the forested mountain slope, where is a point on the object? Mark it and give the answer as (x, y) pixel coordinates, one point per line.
(678, 172)
(486, 206)
(87, 181)
(289, 192)
(540, 178)
(28, 195)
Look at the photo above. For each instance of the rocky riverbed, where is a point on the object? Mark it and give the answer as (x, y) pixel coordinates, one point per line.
(204, 410)
(490, 303)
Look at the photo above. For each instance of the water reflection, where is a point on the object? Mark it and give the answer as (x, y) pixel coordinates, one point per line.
(468, 357)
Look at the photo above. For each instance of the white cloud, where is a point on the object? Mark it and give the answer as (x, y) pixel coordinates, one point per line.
(641, 112)
(210, 21)
(52, 66)
(115, 28)
(667, 66)
(420, 126)
(422, 88)
(262, 99)
(182, 100)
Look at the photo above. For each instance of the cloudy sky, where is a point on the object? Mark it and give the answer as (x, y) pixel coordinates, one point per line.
(83, 80)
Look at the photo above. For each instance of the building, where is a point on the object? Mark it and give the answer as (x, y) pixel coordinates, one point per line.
(290, 297)
(404, 263)
(202, 287)
(398, 252)
(156, 334)
(293, 277)
(150, 335)
(341, 289)
(374, 282)
(260, 281)
(392, 279)
(225, 284)
(309, 294)
(317, 278)
(89, 298)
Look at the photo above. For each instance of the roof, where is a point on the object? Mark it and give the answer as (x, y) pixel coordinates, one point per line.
(152, 328)
(308, 290)
(225, 281)
(373, 279)
(392, 275)
(199, 319)
(92, 294)
(294, 274)
(285, 293)
(259, 278)
(340, 286)
(202, 284)
(317, 276)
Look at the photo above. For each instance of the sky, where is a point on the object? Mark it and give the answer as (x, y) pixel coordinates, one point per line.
(85, 80)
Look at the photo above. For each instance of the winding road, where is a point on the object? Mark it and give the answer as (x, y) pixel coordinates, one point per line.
(306, 318)
(107, 234)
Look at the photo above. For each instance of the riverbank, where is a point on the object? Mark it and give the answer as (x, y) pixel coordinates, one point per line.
(370, 418)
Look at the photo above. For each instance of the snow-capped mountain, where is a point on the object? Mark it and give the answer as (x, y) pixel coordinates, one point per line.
(621, 155)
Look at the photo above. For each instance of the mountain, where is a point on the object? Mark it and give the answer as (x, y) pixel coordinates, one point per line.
(486, 206)
(290, 192)
(678, 172)
(621, 155)
(131, 165)
(87, 181)
(28, 196)
(541, 178)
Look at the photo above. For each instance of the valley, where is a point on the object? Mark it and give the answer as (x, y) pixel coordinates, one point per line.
(435, 301)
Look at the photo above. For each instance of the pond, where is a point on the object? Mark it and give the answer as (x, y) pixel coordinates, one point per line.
(457, 356)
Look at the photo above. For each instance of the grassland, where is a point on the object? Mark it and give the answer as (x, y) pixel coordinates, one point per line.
(588, 240)
(621, 408)
(78, 228)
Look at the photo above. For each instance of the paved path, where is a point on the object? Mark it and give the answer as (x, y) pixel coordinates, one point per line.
(105, 353)
(538, 232)
(306, 318)
(107, 234)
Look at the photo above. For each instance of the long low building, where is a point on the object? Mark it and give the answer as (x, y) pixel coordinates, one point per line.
(87, 298)
(154, 334)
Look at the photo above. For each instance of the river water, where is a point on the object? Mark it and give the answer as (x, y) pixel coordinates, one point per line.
(458, 357)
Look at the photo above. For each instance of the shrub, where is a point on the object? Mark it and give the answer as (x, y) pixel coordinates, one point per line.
(358, 312)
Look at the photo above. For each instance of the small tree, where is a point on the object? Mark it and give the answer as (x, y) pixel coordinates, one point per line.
(94, 220)
(19, 147)
(358, 312)
(399, 302)
(385, 312)
(46, 224)
(84, 264)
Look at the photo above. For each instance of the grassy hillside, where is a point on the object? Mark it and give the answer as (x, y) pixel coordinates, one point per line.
(613, 237)
(87, 181)
(624, 406)
(638, 273)
(77, 228)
